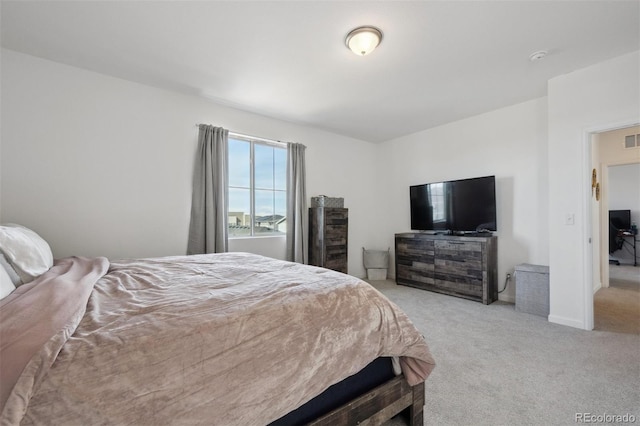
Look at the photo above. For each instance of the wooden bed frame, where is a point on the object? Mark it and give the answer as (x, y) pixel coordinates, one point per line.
(379, 405)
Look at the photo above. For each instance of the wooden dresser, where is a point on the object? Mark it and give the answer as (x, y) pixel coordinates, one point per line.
(456, 265)
(328, 231)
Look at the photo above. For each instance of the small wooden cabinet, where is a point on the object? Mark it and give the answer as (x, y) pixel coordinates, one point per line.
(328, 231)
(456, 265)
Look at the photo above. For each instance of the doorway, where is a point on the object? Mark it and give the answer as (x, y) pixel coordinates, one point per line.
(617, 298)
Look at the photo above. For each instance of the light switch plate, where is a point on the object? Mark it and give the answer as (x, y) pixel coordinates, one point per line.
(569, 219)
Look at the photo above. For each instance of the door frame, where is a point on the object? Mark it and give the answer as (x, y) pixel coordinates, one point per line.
(589, 254)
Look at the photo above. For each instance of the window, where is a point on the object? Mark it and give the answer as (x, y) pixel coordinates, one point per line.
(436, 196)
(257, 187)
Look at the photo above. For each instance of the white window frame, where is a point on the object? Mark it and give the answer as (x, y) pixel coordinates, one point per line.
(253, 140)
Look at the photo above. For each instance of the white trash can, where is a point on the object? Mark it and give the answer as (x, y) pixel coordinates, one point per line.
(376, 262)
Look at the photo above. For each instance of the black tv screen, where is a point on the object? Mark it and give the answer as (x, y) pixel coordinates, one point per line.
(465, 205)
(620, 219)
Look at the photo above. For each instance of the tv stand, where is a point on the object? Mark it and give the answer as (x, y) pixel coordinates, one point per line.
(463, 266)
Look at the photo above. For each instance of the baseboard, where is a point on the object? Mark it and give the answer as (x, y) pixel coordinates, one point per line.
(566, 321)
(597, 287)
(507, 298)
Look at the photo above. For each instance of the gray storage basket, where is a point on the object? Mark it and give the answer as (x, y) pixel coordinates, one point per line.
(324, 201)
(532, 289)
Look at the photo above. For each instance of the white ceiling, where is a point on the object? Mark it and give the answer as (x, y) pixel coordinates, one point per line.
(439, 61)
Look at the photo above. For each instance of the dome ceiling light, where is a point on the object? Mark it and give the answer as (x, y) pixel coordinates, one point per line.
(536, 56)
(363, 40)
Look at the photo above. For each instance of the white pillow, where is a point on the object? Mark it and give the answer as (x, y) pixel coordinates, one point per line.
(15, 278)
(6, 285)
(26, 251)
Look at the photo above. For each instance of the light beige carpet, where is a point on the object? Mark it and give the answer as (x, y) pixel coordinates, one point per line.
(617, 308)
(496, 366)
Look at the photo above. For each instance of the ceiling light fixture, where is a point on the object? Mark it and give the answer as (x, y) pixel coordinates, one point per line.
(363, 40)
(536, 56)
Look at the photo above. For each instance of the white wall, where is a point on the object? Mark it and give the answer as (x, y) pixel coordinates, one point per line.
(624, 194)
(624, 189)
(103, 166)
(509, 143)
(600, 97)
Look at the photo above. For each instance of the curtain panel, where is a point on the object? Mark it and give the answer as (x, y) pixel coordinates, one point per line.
(297, 212)
(208, 231)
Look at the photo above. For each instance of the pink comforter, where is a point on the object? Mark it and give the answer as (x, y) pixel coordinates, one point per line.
(232, 339)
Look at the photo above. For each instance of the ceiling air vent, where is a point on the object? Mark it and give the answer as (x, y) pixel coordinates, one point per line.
(632, 141)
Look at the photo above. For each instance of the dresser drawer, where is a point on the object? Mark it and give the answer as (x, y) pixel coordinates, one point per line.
(335, 217)
(461, 286)
(459, 258)
(458, 249)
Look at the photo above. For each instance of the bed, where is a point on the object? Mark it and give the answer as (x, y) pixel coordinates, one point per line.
(229, 339)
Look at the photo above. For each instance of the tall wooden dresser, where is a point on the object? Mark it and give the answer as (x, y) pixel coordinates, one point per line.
(328, 231)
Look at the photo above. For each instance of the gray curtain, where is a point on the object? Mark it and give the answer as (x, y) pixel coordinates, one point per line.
(209, 199)
(297, 213)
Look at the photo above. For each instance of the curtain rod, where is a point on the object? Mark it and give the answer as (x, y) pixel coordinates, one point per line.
(255, 138)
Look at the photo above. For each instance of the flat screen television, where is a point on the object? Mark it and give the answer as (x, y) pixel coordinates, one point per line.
(456, 206)
(620, 219)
